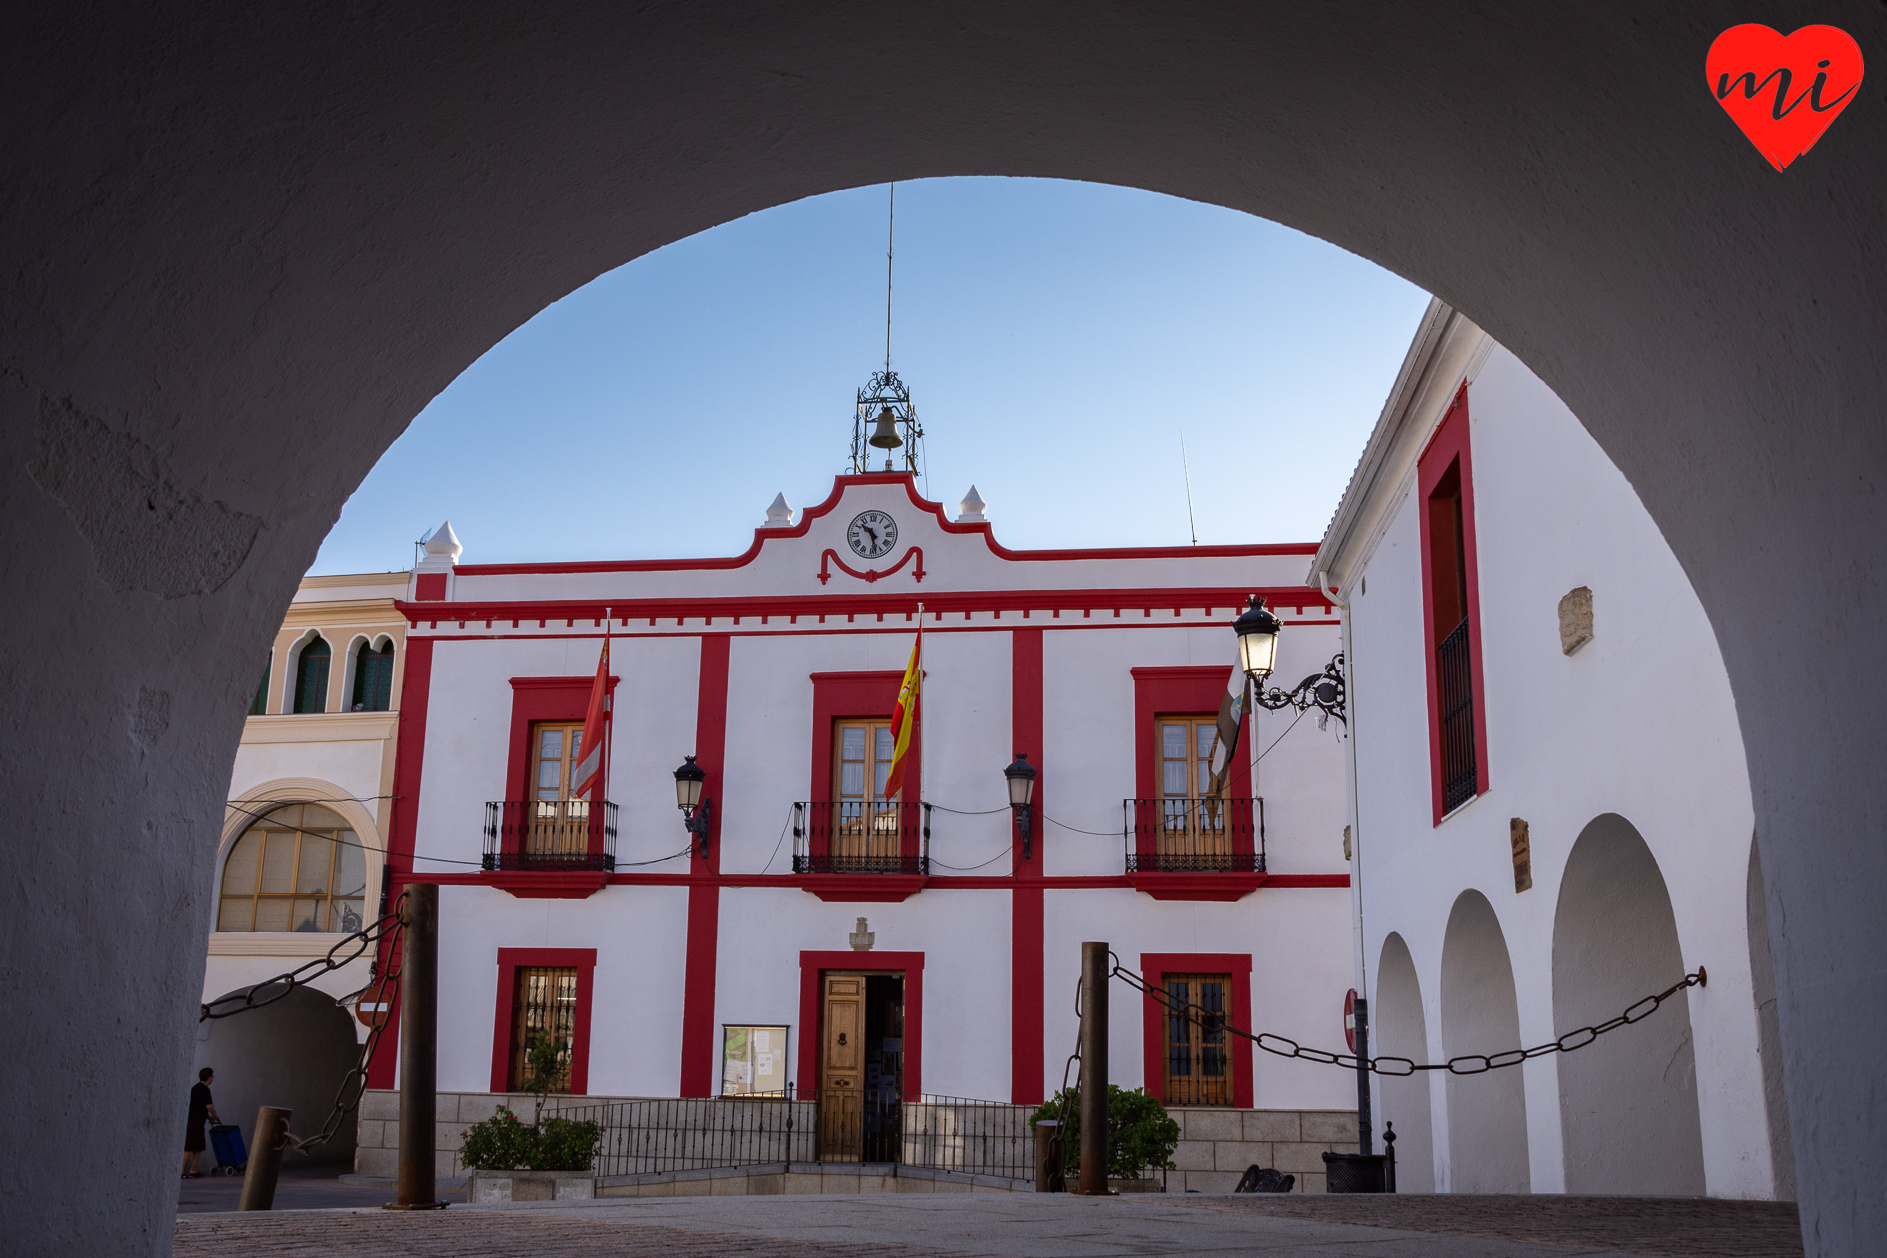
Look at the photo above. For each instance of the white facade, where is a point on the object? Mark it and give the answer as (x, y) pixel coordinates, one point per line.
(725, 660)
(1624, 761)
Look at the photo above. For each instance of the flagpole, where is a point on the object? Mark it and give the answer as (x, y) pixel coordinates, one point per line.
(918, 714)
(609, 708)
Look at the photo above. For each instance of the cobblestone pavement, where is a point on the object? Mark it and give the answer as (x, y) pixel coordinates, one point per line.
(1669, 1227)
(297, 1188)
(1019, 1225)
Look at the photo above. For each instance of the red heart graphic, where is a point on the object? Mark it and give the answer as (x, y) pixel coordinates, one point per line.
(1783, 91)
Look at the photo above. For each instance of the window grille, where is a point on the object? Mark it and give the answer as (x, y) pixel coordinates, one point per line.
(543, 1007)
(311, 677)
(373, 679)
(1454, 685)
(1198, 1066)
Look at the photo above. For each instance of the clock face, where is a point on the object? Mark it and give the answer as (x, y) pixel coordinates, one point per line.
(872, 534)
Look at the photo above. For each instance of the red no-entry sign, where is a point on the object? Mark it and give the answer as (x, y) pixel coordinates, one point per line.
(1349, 1019)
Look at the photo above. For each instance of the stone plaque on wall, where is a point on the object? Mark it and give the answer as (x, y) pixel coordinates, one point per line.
(1575, 620)
(1523, 854)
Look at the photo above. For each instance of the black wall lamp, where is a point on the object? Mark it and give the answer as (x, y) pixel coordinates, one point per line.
(1021, 776)
(695, 810)
(1257, 631)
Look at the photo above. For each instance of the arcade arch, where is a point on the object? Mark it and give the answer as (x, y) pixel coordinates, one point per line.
(279, 311)
(1487, 1113)
(1628, 1104)
(292, 1053)
(1400, 1029)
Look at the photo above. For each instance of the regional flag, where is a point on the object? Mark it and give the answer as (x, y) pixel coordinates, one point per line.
(589, 770)
(1231, 718)
(904, 715)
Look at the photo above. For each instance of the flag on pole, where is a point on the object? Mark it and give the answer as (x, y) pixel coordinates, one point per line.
(589, 770)
(904, 715)
(1231, 719)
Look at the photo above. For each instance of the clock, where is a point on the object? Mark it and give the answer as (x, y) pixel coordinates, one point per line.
(872, 534)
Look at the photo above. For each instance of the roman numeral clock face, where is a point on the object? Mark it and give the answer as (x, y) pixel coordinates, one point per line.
(872, 534)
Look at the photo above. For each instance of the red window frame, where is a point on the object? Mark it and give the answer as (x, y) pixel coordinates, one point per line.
(1187, 691)
(812, 965)
(1450, 448)
(1154, 967)
(859, 696)
(583, 960)
(535, 699)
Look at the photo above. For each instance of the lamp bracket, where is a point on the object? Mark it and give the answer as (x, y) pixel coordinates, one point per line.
(1325, 691)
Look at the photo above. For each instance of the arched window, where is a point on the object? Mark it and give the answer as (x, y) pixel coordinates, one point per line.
(373, 679)
(260, 705)
(311, 677)
(299, 868)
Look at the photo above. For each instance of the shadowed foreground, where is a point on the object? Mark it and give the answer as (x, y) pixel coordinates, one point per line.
(1026, 1226)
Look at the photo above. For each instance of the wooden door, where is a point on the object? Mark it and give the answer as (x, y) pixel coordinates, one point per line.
(559, 825)
(1193, 821)
(865, 825)
(841, 1068)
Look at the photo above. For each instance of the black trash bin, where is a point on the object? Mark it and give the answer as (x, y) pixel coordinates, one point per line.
(1355, 1172)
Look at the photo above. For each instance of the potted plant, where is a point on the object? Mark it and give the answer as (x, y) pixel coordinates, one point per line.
(1141, 1136)
(550, 1159)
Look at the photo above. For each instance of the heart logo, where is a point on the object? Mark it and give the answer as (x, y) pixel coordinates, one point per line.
(1784, 91)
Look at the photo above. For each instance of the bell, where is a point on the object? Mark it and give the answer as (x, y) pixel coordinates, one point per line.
(885, 435)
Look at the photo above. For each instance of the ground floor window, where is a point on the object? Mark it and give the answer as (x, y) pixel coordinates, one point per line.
(543, 1007)
(753, 1060)
(1197, 1066)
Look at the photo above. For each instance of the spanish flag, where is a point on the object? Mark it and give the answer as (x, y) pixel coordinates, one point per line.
(904, 717)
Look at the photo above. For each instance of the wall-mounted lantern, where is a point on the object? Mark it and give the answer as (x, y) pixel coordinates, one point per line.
(1258, 632)
(695, 810)
(1021, 777)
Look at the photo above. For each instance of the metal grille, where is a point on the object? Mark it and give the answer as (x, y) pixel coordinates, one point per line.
(1194, 836)
(542, 834)
(1454, 684)
(544, 1007)
(1196, 1061)
(861, 837)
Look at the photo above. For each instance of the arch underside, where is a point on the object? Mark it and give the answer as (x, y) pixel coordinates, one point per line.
(246, 246)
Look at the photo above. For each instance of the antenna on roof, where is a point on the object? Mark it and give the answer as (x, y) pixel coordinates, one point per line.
(891, 218)
(1188, 471)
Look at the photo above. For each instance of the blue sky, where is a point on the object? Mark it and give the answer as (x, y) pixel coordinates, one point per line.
(1058, 339)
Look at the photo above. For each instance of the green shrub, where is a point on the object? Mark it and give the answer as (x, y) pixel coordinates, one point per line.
(502, 1143)
(1141, 1136)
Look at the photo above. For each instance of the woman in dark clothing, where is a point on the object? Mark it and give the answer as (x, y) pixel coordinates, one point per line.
(202, 1110)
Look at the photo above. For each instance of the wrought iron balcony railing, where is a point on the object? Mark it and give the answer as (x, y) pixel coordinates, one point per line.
(861, 837)
(540, 835)
(1194, 836)
(1454, 680)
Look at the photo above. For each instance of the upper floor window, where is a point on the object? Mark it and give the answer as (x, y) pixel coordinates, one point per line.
(1192, 820)
(300, 868)
(311, 676)
(861, 760)
(556, 748)
(259, 706)
(373, 679)
(1457, 721)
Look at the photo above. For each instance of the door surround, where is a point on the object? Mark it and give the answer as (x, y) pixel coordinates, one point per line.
(812, 965)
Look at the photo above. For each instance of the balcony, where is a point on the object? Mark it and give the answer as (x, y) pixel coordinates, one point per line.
(861, 850)
(1194, 849)
(554, 847)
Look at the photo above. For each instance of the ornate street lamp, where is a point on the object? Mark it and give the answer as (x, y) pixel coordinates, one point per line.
(695, 810)
(1257, 631)
(1021, 776)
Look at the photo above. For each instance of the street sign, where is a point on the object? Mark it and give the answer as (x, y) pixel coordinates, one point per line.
(373, 1007)
(1349, 1019)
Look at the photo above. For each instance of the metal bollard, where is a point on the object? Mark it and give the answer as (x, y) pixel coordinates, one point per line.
(1094, 1070)
(1048, 1172)
(419, 1044)
(265, 1159)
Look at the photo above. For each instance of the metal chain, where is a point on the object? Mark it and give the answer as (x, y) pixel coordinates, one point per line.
(354, 1084)
(1398, 1067)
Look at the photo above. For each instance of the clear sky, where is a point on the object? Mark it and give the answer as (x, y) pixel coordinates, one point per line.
(1058, 339)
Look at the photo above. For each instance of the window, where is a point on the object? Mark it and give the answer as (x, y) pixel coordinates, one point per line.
(1457, 725)
(260, 705)
(864, 823)
(373, 679)
(1192, 820)
(543, 1007)
(300, 868)
(311, 677)
(558, 825)
(1197, 1066)
(753, 1060)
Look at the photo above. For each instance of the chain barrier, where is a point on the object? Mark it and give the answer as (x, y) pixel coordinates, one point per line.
(1399, 1067)
(354, 1084)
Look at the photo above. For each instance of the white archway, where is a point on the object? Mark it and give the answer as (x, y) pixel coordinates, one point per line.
(1401, 1030)
(1627, 1101)
(1487, 1113)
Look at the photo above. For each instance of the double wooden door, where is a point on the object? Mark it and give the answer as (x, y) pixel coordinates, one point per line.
(860, 1068)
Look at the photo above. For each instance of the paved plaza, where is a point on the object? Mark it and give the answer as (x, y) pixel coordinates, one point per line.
(1020, 1225)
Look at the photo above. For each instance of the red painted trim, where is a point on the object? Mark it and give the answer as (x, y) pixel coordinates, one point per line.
(866, 695)
(409, 760)
(901, 887)
(429, 586)
(813, 964)
(870, 575)
(542, 699)
(1192, 690)
(1450, 443)
(504, 1016)
(1154, 967)
(839, 486)
(860, 888)
(698, 1072)
(1226, 599)
(1025, 902)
